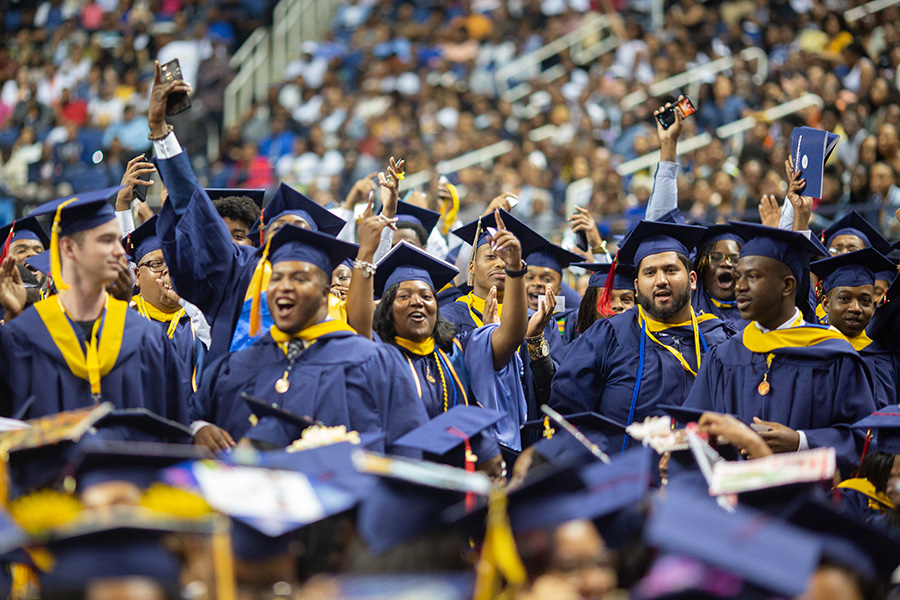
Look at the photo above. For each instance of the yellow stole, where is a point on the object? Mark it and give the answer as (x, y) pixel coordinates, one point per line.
(476, 303)
(793, 337)
(152, 313)
(860, 342)
(310, 334)
(101, 354)
(421, 348)
(654, 326)
(877, 500)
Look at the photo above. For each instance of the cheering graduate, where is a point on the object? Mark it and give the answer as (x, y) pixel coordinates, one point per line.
(83, 346)
(23, 238)
(621, 297)
(545, 269)
(155, 299)
(716, 258)
(206, 267)
(415, 225)
(849, 302)
(804, 383)
(480, 367)
(624, 366)
(851, 233)
(306, 364)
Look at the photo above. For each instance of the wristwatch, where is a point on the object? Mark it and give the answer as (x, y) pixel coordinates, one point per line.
(539, 348)
(514, 274)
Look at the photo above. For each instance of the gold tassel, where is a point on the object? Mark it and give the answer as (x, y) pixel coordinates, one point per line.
(55, 264)
(498, 554)
(470, 274)
(256, 286)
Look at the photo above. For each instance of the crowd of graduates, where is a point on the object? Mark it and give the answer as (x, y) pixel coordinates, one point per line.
(232, 399)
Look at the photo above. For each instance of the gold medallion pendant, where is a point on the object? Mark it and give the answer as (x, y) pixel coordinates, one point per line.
(763, 388)
(282, 385)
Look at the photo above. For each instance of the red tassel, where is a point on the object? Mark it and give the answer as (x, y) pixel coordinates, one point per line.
(5, 252)
(471, 460)
(865, 451)
(262, 225)
(606, 297)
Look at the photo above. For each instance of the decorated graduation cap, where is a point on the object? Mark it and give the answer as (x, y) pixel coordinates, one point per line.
(623, 277)
(291, 243)
(552, 256)
(559, 446)
(759, 549)
(477, 233)
(646, 239)
(142, 240)
(218, 193)
(406, 262)
(791, 248)
(885, 427)
(27, 228)
(72, 215)
(411, 213)
(850, 269)
(460, 437)
(855, 224)
(288, 201)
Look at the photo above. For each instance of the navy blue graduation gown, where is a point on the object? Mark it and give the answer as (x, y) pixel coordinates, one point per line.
(472, 359)
(565, 325)
(341, 379)
(703, 303)
(189, 349)
(884, 367)
(600, 369)
(819, 389)
(206, 267)
(148, 372)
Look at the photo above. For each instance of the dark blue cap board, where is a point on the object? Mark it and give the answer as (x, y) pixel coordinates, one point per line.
(683, 414)
(140, 424)
(885, 426)
(96, 461)
(415, 214)
(559, 446)
(792, 248)
(851, 269)
(624, 278)
(292, 243)
(288, 201)
(886, 275)
(854, 223)
(443, 438)
(41, 262)
(673, 216)
(653, 237)
(552, 256)
(406, 262)
(142, 240)
(26, 228)
(528, 238)
(265, 409)
(81, 211)
(718, 233)
(758, 548)
(256, 195)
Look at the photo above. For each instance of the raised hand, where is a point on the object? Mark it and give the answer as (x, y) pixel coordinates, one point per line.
(137, 167)
(491, 308)
(156, 113)
(390, 187)
(503, 201)
(506, 245)
(122, 286)
(802, 204)
(13, 295)
(668, 138)
(583, 221)
(369, 232)
(769, 211)
(541, 318)
(360, 191)
(165, 284)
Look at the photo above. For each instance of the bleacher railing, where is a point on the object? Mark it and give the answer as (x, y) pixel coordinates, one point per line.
(261, 60)
(869, 8)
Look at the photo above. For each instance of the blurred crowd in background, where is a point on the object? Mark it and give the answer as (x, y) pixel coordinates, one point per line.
(416, 79)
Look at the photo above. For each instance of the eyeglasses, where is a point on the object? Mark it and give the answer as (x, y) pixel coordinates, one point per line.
(841, 249)
(718, 257)
(155, 266)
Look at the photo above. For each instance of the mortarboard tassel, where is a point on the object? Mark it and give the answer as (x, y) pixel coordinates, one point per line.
(499, 556)
(262, 225)
(256, 285)
(470, 275)
(471, 461)
(55, 264)
(5, 252)
(606, 296)
(450, 215)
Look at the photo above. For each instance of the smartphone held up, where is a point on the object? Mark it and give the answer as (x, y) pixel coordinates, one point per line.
(667, 117)
(176, 102)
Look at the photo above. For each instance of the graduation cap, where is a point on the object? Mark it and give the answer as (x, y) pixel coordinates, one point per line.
(854, 223)
(456, 437)
(41, 262)
(652, 237)
(758, 548)
(718, 233)
(26, 228)
(484, 226)
(140, 424)
(850, 269)
(266, 409)
(791, 248)
(411, 213)
(623, 277)
(406, 262)
(254, 194)
(288, 201)
(73, 214)
(553, 257)
(886, 429)
(142, 240)
(99, 461)
(559, 446)
(683, 414)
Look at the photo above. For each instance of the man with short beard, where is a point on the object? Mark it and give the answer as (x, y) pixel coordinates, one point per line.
(625, 366)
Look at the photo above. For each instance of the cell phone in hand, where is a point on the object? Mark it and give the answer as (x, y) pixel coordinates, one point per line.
(667, 117)
(139, 192)
(176, 102)
(560, 303)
